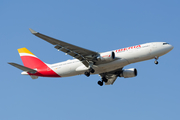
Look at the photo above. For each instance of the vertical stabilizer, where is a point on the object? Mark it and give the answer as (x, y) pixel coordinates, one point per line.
(30, 60)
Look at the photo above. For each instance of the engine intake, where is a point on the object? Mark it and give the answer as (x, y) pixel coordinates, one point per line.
(106, 56)
(128, 73)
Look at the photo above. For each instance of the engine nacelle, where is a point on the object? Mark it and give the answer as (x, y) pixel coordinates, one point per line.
(127, 73)
(106, 56)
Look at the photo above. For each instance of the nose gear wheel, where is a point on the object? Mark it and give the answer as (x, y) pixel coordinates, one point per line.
(156, 58)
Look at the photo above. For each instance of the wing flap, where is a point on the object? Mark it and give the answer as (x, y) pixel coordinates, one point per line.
(111, 79)
(111, 76)
(73, 54)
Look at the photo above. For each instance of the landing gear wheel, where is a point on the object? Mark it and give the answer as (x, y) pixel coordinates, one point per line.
(87, 74)
(156, 58)
(100, 83)
(104, 79)
(91, 70)
(156, 62)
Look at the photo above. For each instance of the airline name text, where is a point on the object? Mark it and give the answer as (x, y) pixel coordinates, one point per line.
(128, 48)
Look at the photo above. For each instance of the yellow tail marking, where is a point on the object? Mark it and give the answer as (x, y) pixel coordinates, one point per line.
(24, 50)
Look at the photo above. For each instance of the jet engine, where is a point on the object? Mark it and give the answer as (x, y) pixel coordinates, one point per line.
(106, 56)
(128, 73)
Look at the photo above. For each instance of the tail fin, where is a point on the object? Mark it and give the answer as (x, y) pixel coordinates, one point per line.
(30, 60)
(33, 66)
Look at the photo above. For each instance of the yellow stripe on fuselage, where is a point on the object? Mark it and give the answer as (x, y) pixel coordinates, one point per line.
(25, 50)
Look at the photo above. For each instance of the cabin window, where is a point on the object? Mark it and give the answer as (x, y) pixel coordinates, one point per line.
(165, 43)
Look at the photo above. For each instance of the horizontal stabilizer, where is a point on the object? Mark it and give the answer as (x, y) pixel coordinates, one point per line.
(23, 68)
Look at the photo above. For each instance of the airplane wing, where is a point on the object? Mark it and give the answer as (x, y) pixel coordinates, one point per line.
(111, 76)
(84, 55)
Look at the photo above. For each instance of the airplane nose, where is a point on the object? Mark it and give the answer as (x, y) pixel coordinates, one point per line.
(170, 47)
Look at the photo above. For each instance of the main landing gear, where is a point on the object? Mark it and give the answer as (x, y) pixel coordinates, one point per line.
(102, 80)
(156, 58)
(87, 73)
(100, 83)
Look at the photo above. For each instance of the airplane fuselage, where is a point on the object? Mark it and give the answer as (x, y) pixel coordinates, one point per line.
(124, 56)
(109, 65)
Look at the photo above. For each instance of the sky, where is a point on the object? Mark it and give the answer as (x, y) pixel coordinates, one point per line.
(98, 25)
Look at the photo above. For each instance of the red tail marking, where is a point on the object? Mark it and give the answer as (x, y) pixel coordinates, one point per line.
(36, 63)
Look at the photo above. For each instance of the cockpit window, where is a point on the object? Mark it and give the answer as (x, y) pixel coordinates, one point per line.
(165, 43)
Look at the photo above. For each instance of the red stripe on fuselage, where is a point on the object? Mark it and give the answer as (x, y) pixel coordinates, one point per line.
(42, 69)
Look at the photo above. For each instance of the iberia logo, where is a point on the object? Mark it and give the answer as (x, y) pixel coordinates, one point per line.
(128, 48)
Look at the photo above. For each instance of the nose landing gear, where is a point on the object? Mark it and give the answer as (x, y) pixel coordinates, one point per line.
(156, 62)
(156, 58)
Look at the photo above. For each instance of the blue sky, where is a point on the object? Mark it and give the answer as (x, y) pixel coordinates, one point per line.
(98, 25)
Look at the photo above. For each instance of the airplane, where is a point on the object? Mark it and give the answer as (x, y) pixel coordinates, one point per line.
(109, 65)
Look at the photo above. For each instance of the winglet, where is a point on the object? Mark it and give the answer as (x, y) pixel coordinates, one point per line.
(32, 31)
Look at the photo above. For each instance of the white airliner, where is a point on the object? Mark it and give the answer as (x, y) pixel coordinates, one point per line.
(109, 65)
